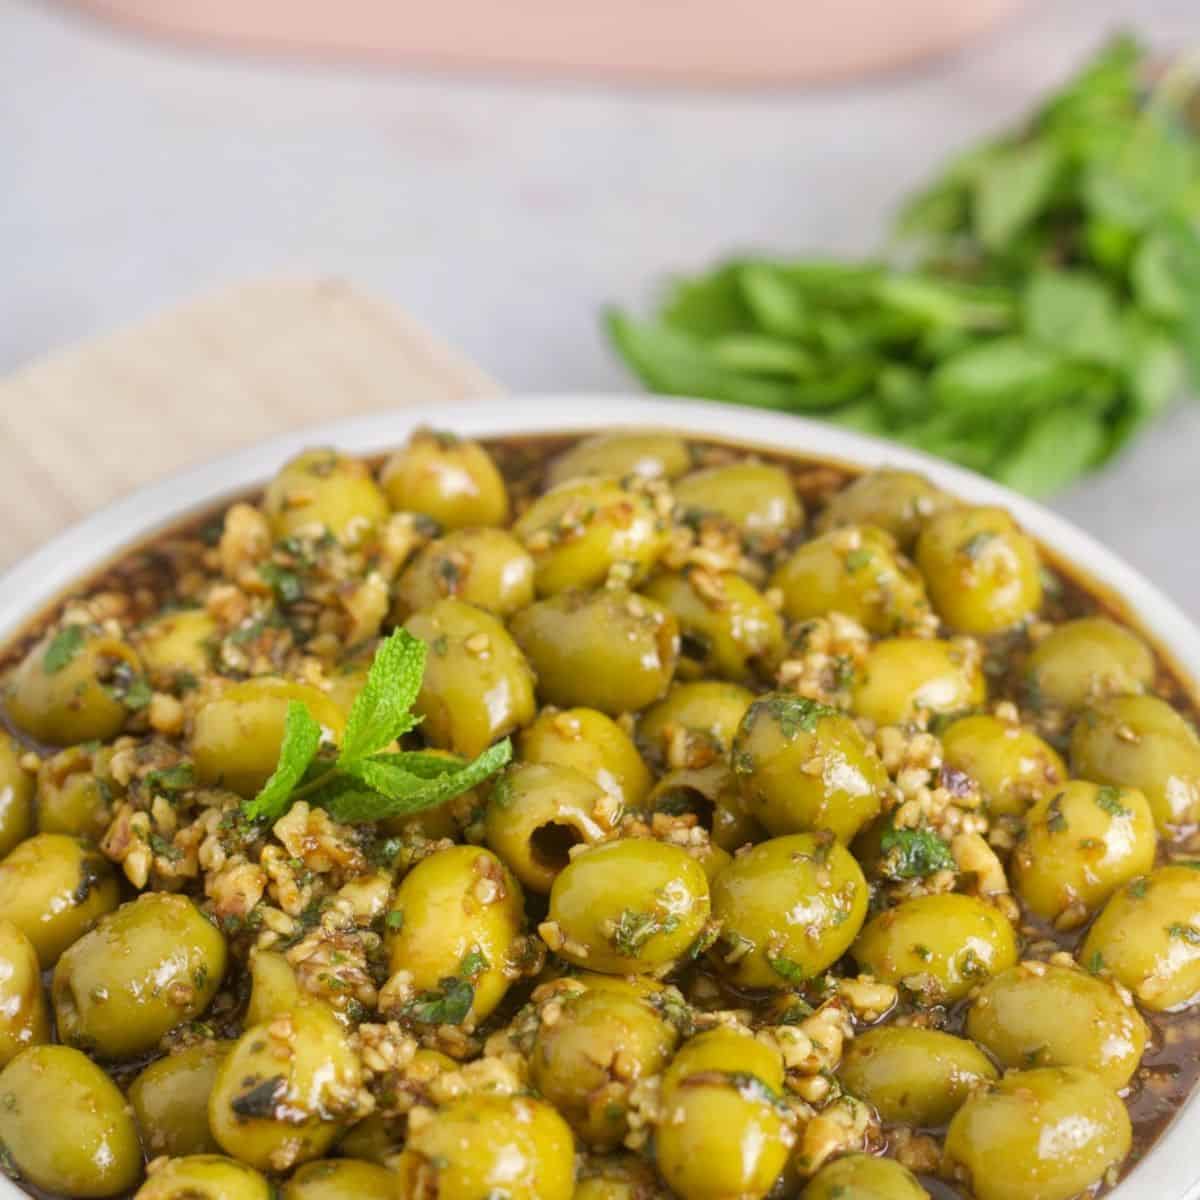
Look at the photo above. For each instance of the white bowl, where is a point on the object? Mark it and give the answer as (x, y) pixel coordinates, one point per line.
(1170, 1171)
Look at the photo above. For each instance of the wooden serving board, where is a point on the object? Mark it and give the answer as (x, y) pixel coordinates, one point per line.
(92, 422)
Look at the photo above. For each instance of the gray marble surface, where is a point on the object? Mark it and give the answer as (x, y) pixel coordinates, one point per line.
(504, 213)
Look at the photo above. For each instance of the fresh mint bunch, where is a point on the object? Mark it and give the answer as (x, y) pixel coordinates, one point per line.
(366, 781)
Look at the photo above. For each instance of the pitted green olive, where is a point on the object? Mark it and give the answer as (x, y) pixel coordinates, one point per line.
(448, 478)
(322, 490)
(477, 684)
(905, 678)
(71, 687)
(726, 626)
(1012, 766)
(913, 1076)
(236, 736)
(694, 723)
(628, 906)
(1080, 844)
(1042, 1015)
(456, 916)
(609, 649)
(24, 1014)
(982, 572)
(204, 1177)
(54, 888)
(756, 498)
(286, 1089)
(855, 571)
(617, 1177)
(537, 811)
(155, 962)
(65, 1124)
(485, 567)
(340, 1179)
(647, 455)
(937, 946)
(864, 1177)
(1082, 661)
(592, 744)
(484, 1146)
(170, 1100)
(897, 501)
(16, 796)
(1148, 936)
(1141, 742)
(802, 766)
(75, 793)
(1050, 1133)
(789, 907)
(712, 794)
(730, 1050)
(177, 646)
(274, 988)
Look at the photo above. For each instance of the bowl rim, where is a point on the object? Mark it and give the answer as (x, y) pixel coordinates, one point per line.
(44, 576)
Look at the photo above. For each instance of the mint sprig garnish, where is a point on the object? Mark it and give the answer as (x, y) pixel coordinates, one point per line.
(366, 780)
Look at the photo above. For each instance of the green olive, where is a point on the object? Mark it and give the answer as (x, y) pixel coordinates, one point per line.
(790, 908)
(274, 988)
(1081, 661)
(592, 744)
(913, 1076)
(340, 1179)
(16, 796)
(897, 501)
(75, 792)
(321, 490)
(610, 649)
(236, 736)
(483, 1146)
(54, 888)
(755, 497)
(1050, 1133)
(712, 794)
(66, 1125)
(628, 906)
(1012, 766)
(704, 712)
(170, 1100)
(905, 678)
(647, 455)
(204, 1177)
(1142, 742)
(488, 568)
(580, 530)
(937, 946)
(24, 1014)
(720, 1132)
(1080, 844)
(726, 625)
(803, 766)
(864, 1177)
(602, 1041)
(1148, 936)
(1042, 1015)
(376, 1138)
(537, 812)
(457, 914)
(177, 646)
(155, 962)
(477, 684)
(856, 571)
(618, 1177)
(982, 572)
(286, 1089)
(69, 687)
(452, 480)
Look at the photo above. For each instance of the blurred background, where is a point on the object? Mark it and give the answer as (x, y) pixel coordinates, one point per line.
(503, 209)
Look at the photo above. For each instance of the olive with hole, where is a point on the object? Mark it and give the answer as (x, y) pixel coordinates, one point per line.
(712, 795)
(906, 678)
(65, 1125)
(204, 1177)
(1012, 766)
(451, 479)
(864, 1177)
(147, 967)
(54, 888)
(646, 455)
(982, 573)
(938, 946)
(1051, 1132)
(16, 796)
(897, 501)
(340, 1179)
(702, 714)
(1080, 844)
(1085, 660)
(803, 766)
(24, 1013)
(485, 567)
(810, 877)
(610, 649)
(176, 648)
(170, 1100)
(1045, 1015)
(322, 491)
(756, 498)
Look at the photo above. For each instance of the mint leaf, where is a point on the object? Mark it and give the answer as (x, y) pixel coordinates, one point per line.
(301, 739)
(382, 711)
(64, 645)
(449, 1004)
(914, 853)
